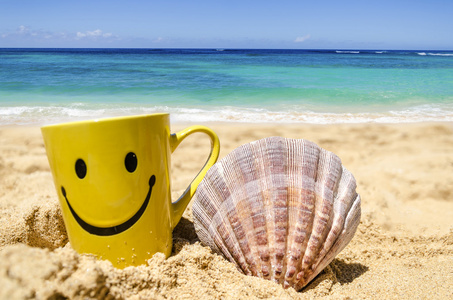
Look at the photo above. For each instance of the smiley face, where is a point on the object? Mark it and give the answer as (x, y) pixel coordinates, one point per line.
(81, 170)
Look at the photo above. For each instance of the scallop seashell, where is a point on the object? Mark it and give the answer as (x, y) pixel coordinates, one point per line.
(280, 209)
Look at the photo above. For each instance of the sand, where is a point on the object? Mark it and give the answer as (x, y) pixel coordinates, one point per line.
(403, 248)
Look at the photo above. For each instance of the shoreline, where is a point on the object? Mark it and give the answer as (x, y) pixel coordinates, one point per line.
(402, 248)
(242, 123)
(36, 115)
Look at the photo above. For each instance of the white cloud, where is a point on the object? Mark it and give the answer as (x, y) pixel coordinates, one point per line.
(301, 39)
(25, 33)
(23, 29)
(95, 34)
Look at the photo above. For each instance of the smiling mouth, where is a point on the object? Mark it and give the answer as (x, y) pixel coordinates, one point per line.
(107, 231)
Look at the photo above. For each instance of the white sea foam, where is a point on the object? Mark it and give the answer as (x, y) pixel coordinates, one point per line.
(41, 115)
(347, 51)
(434, 54)
(441, 54)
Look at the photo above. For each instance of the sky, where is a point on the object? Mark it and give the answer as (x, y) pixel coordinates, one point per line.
(293, 24)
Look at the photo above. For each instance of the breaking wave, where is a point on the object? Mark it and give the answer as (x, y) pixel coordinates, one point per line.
(42, 115)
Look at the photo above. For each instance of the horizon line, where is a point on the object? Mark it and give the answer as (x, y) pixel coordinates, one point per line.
(227, 48)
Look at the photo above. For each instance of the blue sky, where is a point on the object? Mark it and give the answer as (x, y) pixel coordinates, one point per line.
(323, 24)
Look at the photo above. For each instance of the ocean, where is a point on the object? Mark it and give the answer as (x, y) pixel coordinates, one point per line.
(44, 86)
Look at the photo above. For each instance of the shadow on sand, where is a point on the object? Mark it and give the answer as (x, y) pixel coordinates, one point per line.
(338, 271)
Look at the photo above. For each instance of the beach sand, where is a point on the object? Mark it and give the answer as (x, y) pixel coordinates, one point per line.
(403, 248)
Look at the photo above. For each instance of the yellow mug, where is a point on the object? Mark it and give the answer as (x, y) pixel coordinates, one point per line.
(113, 181)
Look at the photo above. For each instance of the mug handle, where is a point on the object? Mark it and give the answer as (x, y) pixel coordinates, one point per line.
(180, 205)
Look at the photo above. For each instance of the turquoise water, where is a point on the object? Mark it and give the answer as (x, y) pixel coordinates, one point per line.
(40, 86)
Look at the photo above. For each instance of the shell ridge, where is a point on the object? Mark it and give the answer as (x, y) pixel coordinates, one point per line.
(294, 188)
(342, 204)
(258, 233)
(229, 243)
(308, 211)
(299, 232)
(348, 190)
(336, 218)
(240, 218)
(310, 218)
(262, 155)
(210, 189)
(205, 208)
(222, 228)
(243, 200)
(352, 221)
(219, 224)
(214, 232)
(261, 225)
(277, 205)
(329, 173)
